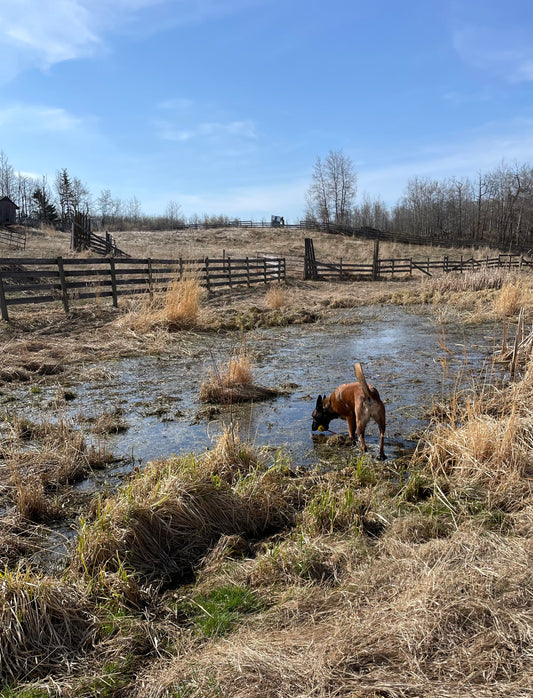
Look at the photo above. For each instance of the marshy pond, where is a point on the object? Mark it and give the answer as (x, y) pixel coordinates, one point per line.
(403, 353)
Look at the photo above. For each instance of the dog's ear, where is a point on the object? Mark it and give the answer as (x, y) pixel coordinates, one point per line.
(319, 403)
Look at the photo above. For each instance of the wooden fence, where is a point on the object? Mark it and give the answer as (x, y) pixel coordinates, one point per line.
(82, 238)
(25, 281)
(407, 265)
(13, 238)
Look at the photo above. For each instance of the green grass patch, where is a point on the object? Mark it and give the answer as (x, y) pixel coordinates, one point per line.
(221, 610)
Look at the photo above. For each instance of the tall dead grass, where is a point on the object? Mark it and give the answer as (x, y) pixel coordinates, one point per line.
(233, 382)
(167, 518)
(177, 308)
(275, 297)
(44, 625)
(487, 444)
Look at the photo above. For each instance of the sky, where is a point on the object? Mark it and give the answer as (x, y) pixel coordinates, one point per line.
(223, 106)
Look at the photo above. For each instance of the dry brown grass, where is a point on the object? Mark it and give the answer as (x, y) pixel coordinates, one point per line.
(487, 443)
(449, 618)
(275, 297)
(39, 461)
(512, 296)
(169, 516)
(176, 308)
(234, 382)
(44, 625)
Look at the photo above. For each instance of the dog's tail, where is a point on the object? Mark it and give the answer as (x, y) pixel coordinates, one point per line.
(362, 380)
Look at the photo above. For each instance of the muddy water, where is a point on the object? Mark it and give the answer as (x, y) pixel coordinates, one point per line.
(399, 350)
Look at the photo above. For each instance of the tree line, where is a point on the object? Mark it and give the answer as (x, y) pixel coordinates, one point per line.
(57, 202)
(496, 206)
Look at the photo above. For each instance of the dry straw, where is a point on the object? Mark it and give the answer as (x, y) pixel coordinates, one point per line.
(233, 382)
(44, 625)
(275, 297)
(162, 523)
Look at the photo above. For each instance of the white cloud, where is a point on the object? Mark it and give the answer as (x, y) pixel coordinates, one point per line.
(506, 53)
(213, 131)
(35, 119)
(476, 151)
(41, 33)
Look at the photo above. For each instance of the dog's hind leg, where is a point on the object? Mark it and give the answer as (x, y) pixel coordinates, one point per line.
(351, 426)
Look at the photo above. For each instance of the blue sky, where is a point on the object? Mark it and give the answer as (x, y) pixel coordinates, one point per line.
(224, 105)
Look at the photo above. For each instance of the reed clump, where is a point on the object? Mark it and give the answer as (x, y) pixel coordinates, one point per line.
(162, 523)
(234, 382)
(179, 307)
(275, 297)
(44, 625)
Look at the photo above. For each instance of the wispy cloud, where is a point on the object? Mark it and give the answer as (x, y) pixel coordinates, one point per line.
(37, 33)
(212, 131)
(36, 119)
(507, 54)
(284, 199)
(479, 150)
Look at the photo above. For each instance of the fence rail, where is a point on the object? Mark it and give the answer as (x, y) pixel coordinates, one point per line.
(82, 238)
(13, 238)
(25, 281)
(407, 265)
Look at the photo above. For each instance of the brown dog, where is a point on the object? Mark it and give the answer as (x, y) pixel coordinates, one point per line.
(357, 403)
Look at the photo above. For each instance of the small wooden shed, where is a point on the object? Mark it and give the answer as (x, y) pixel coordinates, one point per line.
(8, 211)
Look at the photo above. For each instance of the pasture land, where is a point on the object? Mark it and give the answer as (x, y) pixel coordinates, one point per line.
(233, 571)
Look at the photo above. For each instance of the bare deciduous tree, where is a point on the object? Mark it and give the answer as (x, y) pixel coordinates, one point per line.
(330, 198)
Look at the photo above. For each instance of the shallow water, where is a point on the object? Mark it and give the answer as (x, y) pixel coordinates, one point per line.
(399, 350)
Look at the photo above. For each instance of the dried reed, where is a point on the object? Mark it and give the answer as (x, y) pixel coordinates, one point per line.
(234, 382)
(44, 624)
(275, 297)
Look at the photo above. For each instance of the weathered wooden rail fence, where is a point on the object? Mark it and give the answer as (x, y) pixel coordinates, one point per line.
(25, 281)
(317, 270)
(13, 238)
(82, 238)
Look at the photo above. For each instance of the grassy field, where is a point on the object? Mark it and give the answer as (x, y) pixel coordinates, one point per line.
(233, 572)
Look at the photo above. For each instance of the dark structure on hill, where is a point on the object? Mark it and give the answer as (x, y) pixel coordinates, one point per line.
(8, 211)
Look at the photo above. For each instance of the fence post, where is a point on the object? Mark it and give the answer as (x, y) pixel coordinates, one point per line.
(279, 271)
(247, 272)
(181, 268)
(150, 277)
(461, 264)
(340, 268)
(229, 273)
(63, 282)
(207, 282)
(3, 304)
(428, 267)
(375, 261)
(265, 269)
(112, 271)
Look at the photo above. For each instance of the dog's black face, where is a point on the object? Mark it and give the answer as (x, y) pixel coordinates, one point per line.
(321, 417)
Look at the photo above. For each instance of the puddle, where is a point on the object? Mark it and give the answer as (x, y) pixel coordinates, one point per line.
(158, 396)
